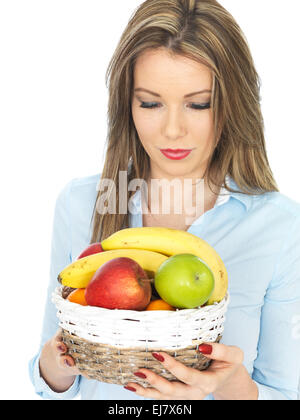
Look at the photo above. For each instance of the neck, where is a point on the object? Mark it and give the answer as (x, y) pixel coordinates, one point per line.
(178, 195)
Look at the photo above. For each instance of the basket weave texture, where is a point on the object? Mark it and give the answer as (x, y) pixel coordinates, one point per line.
(110, 345)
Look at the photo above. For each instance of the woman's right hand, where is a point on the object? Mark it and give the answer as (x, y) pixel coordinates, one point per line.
(56, 367)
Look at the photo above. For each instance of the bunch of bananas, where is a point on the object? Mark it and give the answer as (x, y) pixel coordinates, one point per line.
(149, 247)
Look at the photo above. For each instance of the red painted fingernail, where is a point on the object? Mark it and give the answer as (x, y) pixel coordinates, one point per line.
(61, 348)
(140, 375)
(130, 388)
(158, 357)
(68, 363)
(205, 349)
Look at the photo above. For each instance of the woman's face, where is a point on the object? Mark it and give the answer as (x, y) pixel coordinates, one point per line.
(166, 117)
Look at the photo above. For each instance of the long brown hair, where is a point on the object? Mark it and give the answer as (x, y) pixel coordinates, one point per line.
(204, 31)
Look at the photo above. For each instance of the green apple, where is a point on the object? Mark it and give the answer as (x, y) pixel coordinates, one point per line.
(184, 281)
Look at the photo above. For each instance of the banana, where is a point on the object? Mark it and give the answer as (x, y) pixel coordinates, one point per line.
(79, 273)
(169, 242)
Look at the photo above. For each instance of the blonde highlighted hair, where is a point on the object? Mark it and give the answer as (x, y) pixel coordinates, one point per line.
(201, 30)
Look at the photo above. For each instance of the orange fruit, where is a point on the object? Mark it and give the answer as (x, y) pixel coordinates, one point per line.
(77, 296)
(159, 305)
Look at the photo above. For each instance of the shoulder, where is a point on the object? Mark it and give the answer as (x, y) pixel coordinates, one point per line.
(284, 227)
(269, 204)
(280, 203)
(80, 186)
(87, 183)
(79, 194)
(275, 211)
(271, 215)
(76, 203)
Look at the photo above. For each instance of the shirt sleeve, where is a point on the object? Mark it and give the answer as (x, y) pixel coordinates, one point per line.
(60, 257)
(277, 367)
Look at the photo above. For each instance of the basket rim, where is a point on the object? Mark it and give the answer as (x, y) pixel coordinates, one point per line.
(62, 303)
(123, 328)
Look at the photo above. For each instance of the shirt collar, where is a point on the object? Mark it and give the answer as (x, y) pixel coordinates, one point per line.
(245, 199)
(223, 197)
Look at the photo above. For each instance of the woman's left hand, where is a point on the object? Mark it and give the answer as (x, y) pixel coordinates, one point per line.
(192, 384)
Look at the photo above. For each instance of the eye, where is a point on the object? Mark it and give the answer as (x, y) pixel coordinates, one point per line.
(200, 106)
(151, 105)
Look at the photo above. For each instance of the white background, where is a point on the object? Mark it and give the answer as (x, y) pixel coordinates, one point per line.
(53, 104)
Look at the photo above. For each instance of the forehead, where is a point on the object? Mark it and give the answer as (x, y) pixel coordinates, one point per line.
(158, 69)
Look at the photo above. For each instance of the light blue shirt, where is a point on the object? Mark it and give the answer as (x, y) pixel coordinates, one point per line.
(257, 237)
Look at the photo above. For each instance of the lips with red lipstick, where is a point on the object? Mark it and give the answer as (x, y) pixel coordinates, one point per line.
(177, 154)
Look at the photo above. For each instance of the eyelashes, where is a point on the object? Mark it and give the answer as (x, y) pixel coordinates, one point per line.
(153, 105)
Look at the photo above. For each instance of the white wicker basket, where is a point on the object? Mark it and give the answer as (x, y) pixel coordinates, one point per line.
(109, 344)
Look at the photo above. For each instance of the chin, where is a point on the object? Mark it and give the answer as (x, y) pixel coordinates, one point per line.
(178, 167)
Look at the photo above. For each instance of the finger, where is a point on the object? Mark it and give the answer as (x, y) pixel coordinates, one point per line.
(57, 343)
(61, 348)
(58, 335)
(144, 392)
(223, 353)
(185, 374)
(175, 388)
(67, 363)
(155, 394)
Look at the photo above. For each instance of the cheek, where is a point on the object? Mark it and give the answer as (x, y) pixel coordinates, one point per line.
(147, 126)
(202, 130)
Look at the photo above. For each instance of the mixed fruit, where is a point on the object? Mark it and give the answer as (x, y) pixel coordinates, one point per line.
(148, 268)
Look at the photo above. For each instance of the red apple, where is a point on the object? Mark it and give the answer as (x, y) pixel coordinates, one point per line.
(91, 249)
(120, 283)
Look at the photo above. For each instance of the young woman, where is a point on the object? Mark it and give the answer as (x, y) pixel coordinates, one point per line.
(184, 103)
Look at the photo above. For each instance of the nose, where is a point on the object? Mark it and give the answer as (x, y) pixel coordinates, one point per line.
(174, 125)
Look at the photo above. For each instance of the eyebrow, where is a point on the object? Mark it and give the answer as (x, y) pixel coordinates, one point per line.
(186, 96)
